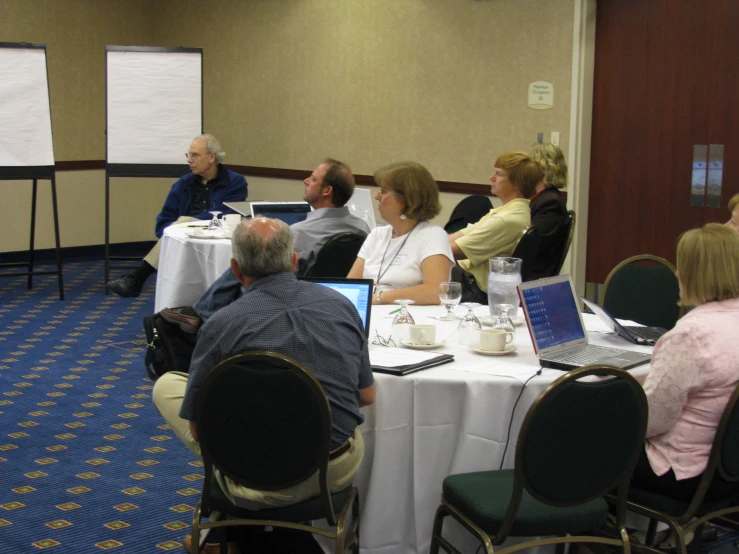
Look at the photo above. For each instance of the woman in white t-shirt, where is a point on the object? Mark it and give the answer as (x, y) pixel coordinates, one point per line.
(410, 257)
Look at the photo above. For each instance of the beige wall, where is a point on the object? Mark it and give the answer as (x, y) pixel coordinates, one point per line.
(288, 82)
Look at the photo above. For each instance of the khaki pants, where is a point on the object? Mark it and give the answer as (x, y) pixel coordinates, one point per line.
(169, 390)
(152, 258)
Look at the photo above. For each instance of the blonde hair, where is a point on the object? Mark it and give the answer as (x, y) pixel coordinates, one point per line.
(708, 264)
(415, 185)
(552, 160)
(733, 202)
(522, 171)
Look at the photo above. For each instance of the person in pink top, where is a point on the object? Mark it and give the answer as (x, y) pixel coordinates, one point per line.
(695, 367)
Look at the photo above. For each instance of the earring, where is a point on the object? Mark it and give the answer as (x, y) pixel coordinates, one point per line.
(402, 216)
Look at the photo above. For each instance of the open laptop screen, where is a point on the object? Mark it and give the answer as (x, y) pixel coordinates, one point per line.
(358, 291)
(553, 314)
(289, 212)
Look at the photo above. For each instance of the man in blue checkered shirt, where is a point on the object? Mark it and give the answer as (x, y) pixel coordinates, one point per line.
(315, 325)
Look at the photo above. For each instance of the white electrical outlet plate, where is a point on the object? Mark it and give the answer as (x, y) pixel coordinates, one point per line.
(554, 138)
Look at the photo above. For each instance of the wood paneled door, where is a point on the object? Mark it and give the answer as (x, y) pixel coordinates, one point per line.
(666, 79)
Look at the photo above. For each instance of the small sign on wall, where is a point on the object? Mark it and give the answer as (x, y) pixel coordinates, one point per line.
(541, 95)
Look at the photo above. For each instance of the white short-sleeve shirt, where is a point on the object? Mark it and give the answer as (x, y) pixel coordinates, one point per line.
(395, 263)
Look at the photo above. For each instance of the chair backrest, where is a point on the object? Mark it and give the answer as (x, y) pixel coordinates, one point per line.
(264, 421)
(723, 460)
(526, 249)
(336, 257)
(647, 294)
(468, 210)
(580, 439)
(726, 442)
(571, 220)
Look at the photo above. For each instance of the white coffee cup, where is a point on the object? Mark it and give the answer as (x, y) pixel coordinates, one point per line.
(423, 334)
(232, 220)
(494, 339)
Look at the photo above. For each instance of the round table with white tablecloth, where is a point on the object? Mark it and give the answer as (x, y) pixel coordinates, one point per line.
(188, 265)
(453, 418)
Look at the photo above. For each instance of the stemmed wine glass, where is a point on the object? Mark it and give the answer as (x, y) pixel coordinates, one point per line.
(403, 320)
(215, 223)
(503, 321)
(469, 328)
(450, 294)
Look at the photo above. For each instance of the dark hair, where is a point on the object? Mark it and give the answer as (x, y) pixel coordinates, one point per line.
(339, 177)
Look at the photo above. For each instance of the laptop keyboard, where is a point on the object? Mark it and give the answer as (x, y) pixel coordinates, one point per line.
(645, 332)
(587, 354)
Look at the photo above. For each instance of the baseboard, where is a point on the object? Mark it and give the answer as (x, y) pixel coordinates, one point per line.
(95, 251)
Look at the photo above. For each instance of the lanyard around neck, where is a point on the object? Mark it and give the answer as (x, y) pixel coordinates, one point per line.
(380, 272)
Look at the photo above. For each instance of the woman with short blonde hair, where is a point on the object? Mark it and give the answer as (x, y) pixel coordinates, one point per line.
(695, 368)
(549, 210)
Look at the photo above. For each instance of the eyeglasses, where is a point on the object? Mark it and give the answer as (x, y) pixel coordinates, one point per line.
(380, 341)
(383, 192)
(194, 155)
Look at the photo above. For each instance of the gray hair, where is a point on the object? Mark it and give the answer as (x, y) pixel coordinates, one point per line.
(213, 146)
(258, 256)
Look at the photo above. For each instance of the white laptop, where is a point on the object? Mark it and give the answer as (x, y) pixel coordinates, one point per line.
(289, 212)
(360, 205)
(555, 323)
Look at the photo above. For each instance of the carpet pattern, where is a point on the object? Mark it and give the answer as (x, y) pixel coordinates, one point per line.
(87, 464)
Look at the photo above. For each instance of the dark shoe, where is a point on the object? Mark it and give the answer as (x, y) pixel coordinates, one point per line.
(127, 286)
(209, 548)
(186, 318)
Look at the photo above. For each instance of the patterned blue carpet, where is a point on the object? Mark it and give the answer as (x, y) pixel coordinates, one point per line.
(86, 462)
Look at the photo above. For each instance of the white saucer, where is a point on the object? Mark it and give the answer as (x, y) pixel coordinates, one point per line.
(509, 349)
(489, 320)
(408, 344)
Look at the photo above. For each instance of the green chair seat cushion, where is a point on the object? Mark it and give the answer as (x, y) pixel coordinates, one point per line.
(484, 497)
(674, 506)
(313, 508)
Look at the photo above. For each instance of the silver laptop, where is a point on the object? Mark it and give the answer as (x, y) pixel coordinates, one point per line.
(242, 208)
(289, 212)
(632, 333)
(557, 330)
(360, 205)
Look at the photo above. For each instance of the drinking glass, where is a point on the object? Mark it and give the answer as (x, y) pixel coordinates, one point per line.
(450, 294)
(403, 321)
(468, 331)
(215, 223)
(504, 322)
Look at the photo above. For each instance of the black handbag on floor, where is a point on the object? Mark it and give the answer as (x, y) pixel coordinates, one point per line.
(168, 348)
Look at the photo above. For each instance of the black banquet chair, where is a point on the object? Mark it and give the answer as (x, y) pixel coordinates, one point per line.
(265, 422)
(709, 502)
(336, 257)
(579, 440)
(468, 210)
(526, 249)
(571, 220)
(644, 289)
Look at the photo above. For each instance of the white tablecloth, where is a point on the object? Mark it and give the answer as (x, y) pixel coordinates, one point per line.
(187, 267)
(448, 419)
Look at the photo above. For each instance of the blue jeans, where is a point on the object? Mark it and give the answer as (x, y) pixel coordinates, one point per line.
(221, 293)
